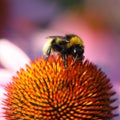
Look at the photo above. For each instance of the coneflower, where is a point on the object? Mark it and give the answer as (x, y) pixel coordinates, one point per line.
(46, 90)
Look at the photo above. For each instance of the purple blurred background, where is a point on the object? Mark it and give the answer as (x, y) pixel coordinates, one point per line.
(27, 24)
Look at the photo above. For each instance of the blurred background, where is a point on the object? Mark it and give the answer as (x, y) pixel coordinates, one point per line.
(27, 23)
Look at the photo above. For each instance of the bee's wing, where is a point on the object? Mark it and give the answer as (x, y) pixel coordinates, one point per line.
(61, 37)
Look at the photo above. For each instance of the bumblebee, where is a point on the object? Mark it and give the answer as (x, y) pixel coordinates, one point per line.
(69, 44)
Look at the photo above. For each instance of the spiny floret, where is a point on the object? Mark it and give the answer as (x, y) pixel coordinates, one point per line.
(49, 91)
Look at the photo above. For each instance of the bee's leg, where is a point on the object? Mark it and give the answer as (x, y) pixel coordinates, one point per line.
(46, 58)
(48, 53)
(65, 61)
(76, 57)
(64, 57)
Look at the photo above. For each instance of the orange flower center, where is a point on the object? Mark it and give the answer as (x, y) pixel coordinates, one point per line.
(48, 90)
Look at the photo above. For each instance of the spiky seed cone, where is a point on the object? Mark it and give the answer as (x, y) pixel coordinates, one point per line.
(47, 90)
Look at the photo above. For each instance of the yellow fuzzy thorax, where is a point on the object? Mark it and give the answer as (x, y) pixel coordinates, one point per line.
(75, 40)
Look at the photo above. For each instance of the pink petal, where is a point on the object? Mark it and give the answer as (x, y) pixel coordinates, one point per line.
(5, 77)
(11, 56)
(2, 96)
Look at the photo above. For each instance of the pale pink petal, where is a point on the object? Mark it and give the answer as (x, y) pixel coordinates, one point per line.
(5, 77)
(2, 96)
(117, 89)
(11, 56)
